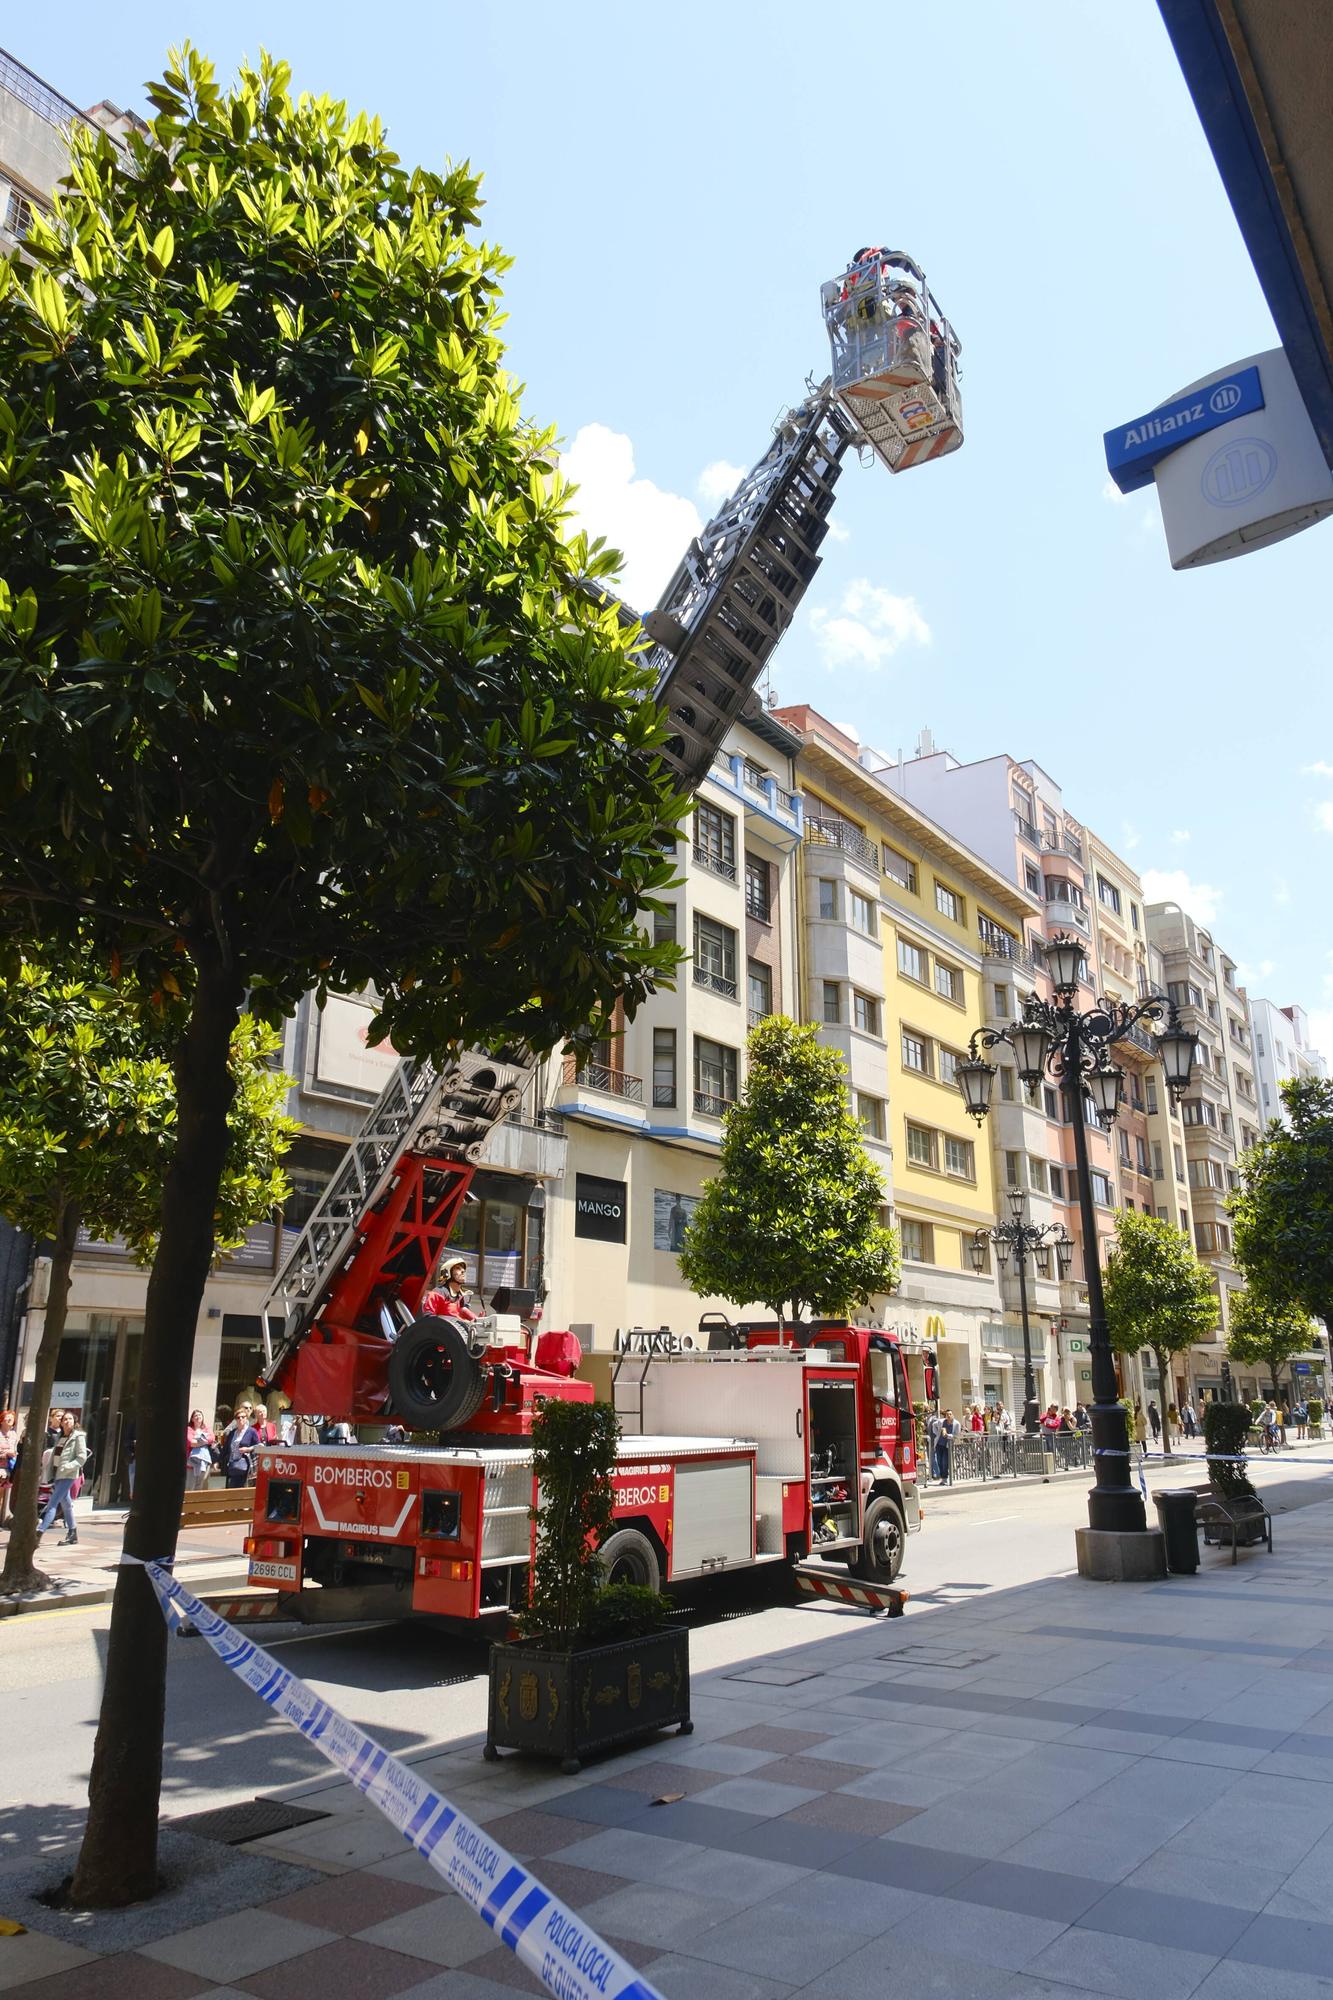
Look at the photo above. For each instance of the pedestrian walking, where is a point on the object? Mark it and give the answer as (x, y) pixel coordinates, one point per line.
(201, 1451)
(69, 1455)
(9, 1459)
(1155, 1419)
(948, 1431)
(240, 1442)
(1140, 1428)
(1190, 1420)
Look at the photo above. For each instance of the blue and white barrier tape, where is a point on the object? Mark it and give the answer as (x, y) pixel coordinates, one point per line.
(571, 1961)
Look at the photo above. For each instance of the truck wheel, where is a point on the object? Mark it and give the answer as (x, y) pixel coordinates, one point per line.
(629, 1557)
(885, 1542)
(435, 1381)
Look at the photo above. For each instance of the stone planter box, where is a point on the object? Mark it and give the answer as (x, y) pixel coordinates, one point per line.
(572, 1705)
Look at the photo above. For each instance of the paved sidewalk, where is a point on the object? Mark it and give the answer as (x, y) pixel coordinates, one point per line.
(86, 1573)
(1061, 1789)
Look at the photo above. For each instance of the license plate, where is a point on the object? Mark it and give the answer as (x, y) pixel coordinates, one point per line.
(270, 1572)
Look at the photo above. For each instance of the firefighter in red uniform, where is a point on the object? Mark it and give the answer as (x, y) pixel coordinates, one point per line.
(909, 333)
(450, 1301)
(863, 273)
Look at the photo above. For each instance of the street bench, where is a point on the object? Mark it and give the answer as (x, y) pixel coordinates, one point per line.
(215, 1506)
(1242, 1519)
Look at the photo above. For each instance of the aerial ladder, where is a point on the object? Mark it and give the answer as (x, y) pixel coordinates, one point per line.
(354, 1279)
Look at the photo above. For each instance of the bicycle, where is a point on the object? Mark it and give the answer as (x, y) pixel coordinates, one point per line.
(1268, 1439)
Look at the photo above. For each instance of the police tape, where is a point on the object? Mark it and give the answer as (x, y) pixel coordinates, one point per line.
(571, 1961)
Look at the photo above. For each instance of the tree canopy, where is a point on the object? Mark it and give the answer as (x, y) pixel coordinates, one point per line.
(793, 1214)
(1265, 1333)
(1282, 1211)
(1158, 1294)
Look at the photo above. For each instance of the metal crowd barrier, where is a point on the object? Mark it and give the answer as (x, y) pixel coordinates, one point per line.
(1000, 1455)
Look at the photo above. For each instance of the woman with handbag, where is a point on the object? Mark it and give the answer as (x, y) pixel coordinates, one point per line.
(239, 1441)
(68, 1458)
(200, 1447)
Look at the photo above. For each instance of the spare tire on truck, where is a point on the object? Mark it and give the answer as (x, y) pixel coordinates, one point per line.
(436, 1383)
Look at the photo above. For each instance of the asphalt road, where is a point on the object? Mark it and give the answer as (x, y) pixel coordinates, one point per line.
(417, 1690)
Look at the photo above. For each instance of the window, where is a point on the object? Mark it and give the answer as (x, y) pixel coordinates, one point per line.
(18, 213)
(949, 1061)
(715, 957)
(758, 991)
(1134, 915)
(865, 1013)
(1184, 993)
(757, 899)
(1158, 1169)
(918, 1240)
(899, 869)
(959, 1159)
(1180, 1163)
(870, 1111)
(916, 1052)
(1002, 999)
(1006, 1084)
(921, 1146)
(714, 1077)
(664, 1065)
(1013, 1170)
(948, 904)
(1050, 1103)
(1123, 1137)
(715, 841)
(1037, 1174)
(1060, 891)
(1032, 876)
(911, 961)
(862, 914)
(1108, 894)
(1058, 1182)
(664, 925)
(832, 1000)
(828, 898)
(949, 981)
(1150, 1089)
(1101, 1189)
(1141, 1153)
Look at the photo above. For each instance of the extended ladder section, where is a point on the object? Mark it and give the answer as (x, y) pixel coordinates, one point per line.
(447, 1113)
(741, 581)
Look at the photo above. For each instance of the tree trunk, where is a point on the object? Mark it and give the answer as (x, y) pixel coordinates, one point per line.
(1163, 1363)
(117, 1863)
(20, 1571)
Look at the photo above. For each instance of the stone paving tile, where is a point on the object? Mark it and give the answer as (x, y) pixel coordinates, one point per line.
(349, 1842)
(1032, 1892)
(956, 1824)
(639, 1857)
(755, 1796)
(776, 1941)
(655, 1914)
(123, 1973)
(680, 1978)
(1000, 1938)
(577, 1886)
(1184, 1749)
(740, 1879)
(736, 1759)
(867, 1908)
(1124, 1966)
(784, 1742)
(32, 1955)
(855, 1814)
(605, 1805)
(901, 1865)
(658, 1775)
(1233, 1981)
(536, 1832)
(1156, 1918)
(251, 1940)
(1205, 1879)
(508, 1973)
(348, 1966)
(694, 1821)
(877, 1744)
(802, 1846)
(444, 1931)
(816, 1774)
(352, 1902)
(1286, 1944)
(910, 1965)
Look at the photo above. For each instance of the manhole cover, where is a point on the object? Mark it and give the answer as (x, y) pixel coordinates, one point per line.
(934, 1656)
(250, 1820)
(778, 1677)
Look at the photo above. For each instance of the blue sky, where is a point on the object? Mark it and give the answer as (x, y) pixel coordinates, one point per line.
(675, 182)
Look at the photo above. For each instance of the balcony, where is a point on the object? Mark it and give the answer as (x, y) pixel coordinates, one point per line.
(664, 1096)
(597, 1076)
(848, 839)
(1027, 831)
(1067, 915)
(1000, 948)
(716, 864)
(754, 1015)
(708, 1105)
(715, 982)
(773, 813)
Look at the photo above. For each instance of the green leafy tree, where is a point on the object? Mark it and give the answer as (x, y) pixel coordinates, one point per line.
(792, 1216)
(573, 1457)
(1282, 1211)
(87, 1124)
(301, 683)
(1158, 1294)
(1264, 1334)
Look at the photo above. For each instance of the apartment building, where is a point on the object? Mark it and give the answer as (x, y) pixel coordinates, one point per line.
(1282, 1053)
(901, 925)
(643, 1117)
(35, 122)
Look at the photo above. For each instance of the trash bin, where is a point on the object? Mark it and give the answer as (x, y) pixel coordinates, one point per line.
(1175, 1518)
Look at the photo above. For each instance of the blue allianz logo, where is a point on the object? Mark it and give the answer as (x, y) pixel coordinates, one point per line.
(1135, 449)
(1239, 471)
(1224, 398)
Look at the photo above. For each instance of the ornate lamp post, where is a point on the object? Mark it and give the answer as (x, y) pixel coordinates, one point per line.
(1054, 1038)
(1021, 1239)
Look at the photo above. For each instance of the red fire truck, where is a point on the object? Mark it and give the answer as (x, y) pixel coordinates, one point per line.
(755, 1451)
(808, 1450)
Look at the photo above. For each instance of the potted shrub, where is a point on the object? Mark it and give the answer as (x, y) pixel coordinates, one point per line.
(1315, 1408)
(1226, 1428)
(594, 1664)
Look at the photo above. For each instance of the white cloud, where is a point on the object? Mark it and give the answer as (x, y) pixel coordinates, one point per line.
(718, 481)
(1180, 836)
(1319, 769)
(1111, 492)
(868, 626)
(1323, 815)
(651, 527)
(836, 531)
(1281, 889)
(1321, 1030)
(1129, 835)
(1172, 885)
(1249, 976)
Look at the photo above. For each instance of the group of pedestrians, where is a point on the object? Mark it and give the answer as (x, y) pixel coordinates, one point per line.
(64, 1448)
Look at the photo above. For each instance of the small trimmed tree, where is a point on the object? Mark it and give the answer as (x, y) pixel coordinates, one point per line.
(301, 684)
(1282, 1211)
(87, 1125)
(1158, 1294)
(573, 1457)
(792, 1216)
(1263, 1334)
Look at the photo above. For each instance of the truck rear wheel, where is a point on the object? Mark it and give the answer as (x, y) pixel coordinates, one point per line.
(435, 1381)
(885, 1542)
(629, 1557)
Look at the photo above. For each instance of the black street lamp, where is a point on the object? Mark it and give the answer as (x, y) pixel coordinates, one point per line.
(1054, 1038)
(1021, 1239)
